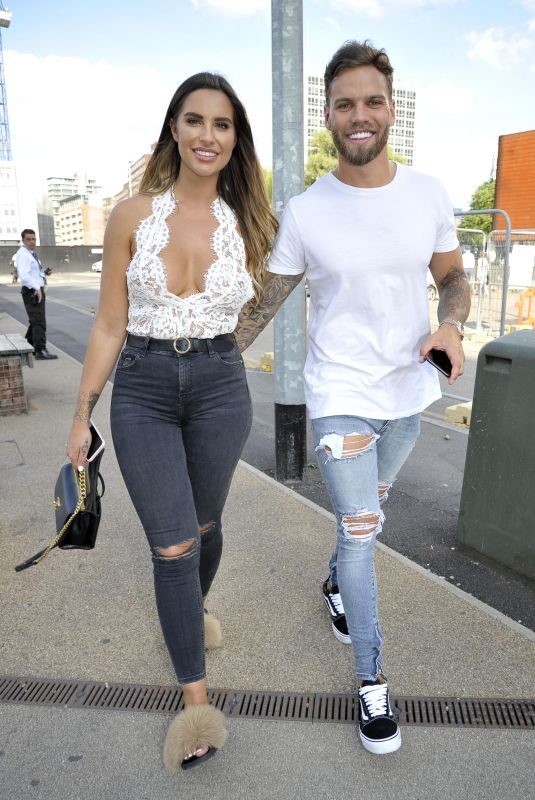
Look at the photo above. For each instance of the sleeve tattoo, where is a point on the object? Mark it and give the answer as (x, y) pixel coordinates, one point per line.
(255, 315)
(454, 293)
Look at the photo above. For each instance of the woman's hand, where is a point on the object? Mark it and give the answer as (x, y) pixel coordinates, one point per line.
(78, 444)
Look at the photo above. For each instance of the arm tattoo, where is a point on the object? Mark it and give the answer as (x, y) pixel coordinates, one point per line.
(454, 293)
(255, 315)
(84, 407)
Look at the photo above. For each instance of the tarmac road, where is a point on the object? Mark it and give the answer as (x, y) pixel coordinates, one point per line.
(423, 508)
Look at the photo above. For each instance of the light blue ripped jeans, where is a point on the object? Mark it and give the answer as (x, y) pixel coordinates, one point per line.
(359, 460)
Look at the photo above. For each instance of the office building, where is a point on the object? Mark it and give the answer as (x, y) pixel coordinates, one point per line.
(61, 188)
(401, 138)
(136, 170)
(79, 221)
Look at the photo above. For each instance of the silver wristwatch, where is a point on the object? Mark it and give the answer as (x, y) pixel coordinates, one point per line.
(455, 323)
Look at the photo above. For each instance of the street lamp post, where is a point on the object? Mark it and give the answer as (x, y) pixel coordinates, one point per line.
(288, 180)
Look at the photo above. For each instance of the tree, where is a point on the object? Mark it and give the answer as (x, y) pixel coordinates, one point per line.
(323, 157)
(483, 197)
(396, 156)
(268, 182)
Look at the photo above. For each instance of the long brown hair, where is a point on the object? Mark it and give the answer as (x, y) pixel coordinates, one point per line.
(240, 183)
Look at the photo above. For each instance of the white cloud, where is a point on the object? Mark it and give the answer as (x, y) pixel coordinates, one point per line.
(498, 47)
(377, 9)
(70, 114)
(333, 23)
(452, 140)
(445, 98)
(233, 7)
(373, 8)
(460, 156)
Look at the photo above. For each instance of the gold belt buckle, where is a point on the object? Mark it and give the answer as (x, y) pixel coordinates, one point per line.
(184, 339)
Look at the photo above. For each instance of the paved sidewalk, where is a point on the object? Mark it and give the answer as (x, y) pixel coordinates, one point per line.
(91, 616)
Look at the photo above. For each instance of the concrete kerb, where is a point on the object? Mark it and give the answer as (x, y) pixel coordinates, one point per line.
(437, 579)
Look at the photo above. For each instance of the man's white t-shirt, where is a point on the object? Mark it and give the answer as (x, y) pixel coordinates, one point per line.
(366, 254)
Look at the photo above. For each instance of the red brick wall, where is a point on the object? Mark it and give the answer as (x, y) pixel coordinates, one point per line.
(12, 395)
(515, 180)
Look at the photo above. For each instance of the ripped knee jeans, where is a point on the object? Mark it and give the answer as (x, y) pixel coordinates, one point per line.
(179, 423)
(359, 459)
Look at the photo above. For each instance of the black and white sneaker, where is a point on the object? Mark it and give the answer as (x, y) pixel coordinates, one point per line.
(333, 601)
(379, 731)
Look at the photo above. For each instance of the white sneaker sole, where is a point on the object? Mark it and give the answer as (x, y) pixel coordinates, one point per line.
(341, 636)
(383, 746)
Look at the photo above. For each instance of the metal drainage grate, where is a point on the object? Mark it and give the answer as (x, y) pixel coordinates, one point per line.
(275, 706)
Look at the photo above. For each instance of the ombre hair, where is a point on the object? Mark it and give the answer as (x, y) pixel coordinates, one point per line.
(240, 183)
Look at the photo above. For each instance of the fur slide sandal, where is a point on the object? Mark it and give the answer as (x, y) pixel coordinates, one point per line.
(213, 638)
(194, 727)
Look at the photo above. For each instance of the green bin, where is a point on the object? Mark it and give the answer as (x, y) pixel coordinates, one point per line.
(497, 512)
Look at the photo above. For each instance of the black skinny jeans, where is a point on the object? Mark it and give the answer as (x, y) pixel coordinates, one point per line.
(179, 424)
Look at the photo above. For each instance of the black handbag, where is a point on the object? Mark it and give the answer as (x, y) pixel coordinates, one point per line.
(77, 500)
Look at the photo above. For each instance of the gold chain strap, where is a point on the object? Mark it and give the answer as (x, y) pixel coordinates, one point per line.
(82, 494)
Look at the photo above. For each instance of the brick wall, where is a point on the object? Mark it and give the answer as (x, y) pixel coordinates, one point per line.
(12, 394)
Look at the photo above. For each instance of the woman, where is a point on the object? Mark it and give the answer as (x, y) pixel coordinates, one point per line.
(180, 260)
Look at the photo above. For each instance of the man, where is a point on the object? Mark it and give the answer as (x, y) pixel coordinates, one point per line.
(366, 380)
(33, 280)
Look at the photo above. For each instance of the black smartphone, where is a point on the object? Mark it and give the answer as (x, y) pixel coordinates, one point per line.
(439, 359)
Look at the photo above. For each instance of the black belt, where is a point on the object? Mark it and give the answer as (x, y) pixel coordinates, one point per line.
(183, 344)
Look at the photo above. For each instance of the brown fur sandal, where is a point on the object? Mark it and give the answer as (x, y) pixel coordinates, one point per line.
(194, 727)
(213, 638)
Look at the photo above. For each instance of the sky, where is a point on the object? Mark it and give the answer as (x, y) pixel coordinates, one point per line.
(88, 83)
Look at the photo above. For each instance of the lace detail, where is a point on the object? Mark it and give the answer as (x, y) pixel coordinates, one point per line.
(154, 311)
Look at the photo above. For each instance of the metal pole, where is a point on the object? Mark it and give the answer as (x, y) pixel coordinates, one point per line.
(288, 180)
(505, 284)
(505, 270)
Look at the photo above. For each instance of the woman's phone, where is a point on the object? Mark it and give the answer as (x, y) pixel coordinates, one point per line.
(439, 359)
(97, 442)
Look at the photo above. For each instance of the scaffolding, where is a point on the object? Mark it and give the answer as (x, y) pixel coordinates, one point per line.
(5, 140)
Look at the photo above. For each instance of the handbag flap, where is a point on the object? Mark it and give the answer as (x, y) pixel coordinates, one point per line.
(65, 495)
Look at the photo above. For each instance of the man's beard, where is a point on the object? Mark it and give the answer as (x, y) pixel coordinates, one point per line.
(359, 156)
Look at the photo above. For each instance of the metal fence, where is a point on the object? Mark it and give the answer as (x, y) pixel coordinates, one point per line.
(520, 303)
(498, 308)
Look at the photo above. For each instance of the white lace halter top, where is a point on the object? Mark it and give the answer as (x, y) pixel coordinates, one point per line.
(154, 311)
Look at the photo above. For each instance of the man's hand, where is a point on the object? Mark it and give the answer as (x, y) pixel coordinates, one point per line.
(447, 338)
(454, 292)
(38, 294)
